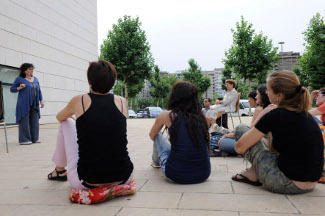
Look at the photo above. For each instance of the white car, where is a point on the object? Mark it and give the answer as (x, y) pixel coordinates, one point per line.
(132, 114)
(244, 108)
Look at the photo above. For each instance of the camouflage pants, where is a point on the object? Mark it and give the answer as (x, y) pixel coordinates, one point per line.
(266, 167)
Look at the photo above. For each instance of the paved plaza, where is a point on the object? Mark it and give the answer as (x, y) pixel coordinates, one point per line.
(25, 190)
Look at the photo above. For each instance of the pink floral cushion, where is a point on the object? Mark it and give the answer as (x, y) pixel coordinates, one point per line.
(102, 193)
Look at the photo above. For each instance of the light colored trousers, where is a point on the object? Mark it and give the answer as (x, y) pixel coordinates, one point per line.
(67, 155)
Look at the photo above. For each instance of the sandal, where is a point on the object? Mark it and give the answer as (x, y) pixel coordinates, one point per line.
(58, 177)
(244, 179)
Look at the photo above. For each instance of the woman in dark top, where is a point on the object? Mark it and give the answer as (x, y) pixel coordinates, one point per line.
(93, 147)
(29, 101)
(184, 157)
(297, 163)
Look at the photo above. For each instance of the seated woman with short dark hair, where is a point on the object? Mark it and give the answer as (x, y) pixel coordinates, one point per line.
(93, 147)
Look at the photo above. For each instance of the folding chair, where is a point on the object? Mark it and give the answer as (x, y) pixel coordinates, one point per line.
(5, 129)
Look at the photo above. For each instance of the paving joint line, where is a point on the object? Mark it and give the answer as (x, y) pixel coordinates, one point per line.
(118, 211)
(180, 199)
(292, 204)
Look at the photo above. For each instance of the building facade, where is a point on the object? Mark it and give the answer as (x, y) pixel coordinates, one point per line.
(288, 60)
(59, 38)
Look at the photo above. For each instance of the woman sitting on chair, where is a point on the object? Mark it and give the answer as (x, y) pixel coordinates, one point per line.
(185, 158)
(228, 104)
(293, 168)
(93, 148)
(227, 142)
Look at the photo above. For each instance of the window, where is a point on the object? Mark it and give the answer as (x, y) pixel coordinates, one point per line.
(7, 77)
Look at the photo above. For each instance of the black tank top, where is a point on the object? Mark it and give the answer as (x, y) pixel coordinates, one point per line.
(101, 131)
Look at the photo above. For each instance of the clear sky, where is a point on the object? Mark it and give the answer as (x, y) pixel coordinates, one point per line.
(178, 30)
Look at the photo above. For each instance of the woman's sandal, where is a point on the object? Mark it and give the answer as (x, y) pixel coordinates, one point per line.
(57, 177)
(244, 179)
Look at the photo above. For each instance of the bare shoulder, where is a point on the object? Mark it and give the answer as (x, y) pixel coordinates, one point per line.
(164, 118)
(75, 100)
(119, 98)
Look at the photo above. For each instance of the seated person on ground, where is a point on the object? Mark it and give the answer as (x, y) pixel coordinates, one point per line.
(93, 147)
(293, 169)
(228, 104)
(183, 155)
(319, 95)
(260, 102)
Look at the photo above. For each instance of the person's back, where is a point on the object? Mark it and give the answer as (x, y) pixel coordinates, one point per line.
(299, 142)
(187, 163)
(101, 130)
(183, 157)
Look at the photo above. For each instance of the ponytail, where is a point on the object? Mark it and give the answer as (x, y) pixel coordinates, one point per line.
(296, 97)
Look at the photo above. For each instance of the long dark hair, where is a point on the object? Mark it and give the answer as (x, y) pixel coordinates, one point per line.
(184, 105)
(23, 68)
(264, 97)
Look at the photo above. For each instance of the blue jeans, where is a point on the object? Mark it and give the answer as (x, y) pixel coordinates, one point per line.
(161, 150)
(29, 127)
(228, 145)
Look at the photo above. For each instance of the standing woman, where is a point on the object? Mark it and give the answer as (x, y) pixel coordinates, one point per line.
(184, 158)
(28, 104)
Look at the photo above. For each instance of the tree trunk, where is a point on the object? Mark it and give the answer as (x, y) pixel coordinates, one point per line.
(157, 102)
(127, 99)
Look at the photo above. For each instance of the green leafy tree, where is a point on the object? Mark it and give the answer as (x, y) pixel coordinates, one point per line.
(144, 102)
(160, 87)
(312, 61)
(251, 55)
(226, 74)
(127, 48)
(195, 76)
(303, 77)
(133, 90)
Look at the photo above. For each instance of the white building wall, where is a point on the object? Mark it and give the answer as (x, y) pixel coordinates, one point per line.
(59, 37)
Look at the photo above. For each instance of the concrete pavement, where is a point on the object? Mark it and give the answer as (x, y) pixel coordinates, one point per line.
(25, 190)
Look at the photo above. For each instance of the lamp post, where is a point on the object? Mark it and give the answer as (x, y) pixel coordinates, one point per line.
(281, 53)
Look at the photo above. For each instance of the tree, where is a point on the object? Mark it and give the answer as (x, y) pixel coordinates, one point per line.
(133, 90)
(160, 87)
(127, 48)
(195, 76)
(226, 74)
(312, 61)
(303, 77)
(251, 55)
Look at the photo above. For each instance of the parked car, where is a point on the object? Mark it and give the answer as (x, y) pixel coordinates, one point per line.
(152, 112)
(132, 114)
(140, 113)
(244, 108)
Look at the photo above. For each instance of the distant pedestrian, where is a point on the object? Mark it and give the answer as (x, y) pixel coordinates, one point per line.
(29, 101)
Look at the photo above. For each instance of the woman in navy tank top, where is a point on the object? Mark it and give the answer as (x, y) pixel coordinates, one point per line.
(184, 155)
(89, 147)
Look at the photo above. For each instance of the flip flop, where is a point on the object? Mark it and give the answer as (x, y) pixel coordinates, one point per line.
(244, 179)
(58, 177)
